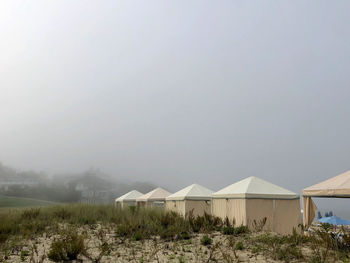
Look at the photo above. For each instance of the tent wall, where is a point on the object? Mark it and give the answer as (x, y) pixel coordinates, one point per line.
(281, 215)
(287, 216)
(183, 207)
(309, 210)
(198, 207)
(177, 206)
(233, 209)
(218, 208)
(257, 209)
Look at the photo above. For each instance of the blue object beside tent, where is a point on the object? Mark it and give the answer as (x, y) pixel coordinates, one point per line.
(334, 220)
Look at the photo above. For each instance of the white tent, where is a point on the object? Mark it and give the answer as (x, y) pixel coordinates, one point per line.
(195, 198)
(335, 187)
(253, 199)
(154, 198)
(128, 199)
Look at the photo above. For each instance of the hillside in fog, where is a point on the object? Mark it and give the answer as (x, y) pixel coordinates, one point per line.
(90, 186)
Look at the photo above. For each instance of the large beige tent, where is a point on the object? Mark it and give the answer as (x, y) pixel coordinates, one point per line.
(154, 198)
(129, 199)
(195, 198)
(337, 187)
(255, 199)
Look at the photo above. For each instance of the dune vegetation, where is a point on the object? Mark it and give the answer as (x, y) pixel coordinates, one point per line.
(103, 233)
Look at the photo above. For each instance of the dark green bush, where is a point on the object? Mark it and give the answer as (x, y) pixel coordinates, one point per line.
(185, 235)
(228, 230)
(138, 236)
(205, 223)
(168, 234)
(241, 230)
(123, 230)
(69, 247)
(239, 245)
(206, 240)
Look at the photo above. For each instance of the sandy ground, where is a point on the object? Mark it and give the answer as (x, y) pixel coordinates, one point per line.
(222, 249)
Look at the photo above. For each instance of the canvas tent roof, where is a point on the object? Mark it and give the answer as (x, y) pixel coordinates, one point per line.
(157, 194)
(192, 192)
(130, 196)
(254, 187)
(338, 186)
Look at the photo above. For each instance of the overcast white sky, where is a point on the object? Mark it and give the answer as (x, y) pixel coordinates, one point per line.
(177, 92)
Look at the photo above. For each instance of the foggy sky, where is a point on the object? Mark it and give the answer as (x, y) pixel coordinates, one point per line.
(177, 92)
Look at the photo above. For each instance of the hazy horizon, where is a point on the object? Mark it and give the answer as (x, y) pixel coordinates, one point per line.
(177, 93)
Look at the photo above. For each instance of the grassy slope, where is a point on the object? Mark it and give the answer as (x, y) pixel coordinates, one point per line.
(6, 201)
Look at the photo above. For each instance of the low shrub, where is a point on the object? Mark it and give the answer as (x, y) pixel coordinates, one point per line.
(206, 240)
(68, 247)
(123, 230)
(288, 253)
(138, 236)
(239, 245)
(228, 230)
(241, 230)
(205, 223)
(185, 235)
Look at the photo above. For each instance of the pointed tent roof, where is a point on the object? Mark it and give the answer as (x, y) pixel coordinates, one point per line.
(254, 187)
(158, 194)
(338, 186)
(192, 192)
(130, 196)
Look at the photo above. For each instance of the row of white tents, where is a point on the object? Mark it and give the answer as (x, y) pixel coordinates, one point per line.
(247, 202)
